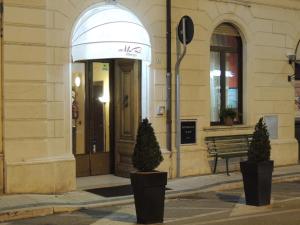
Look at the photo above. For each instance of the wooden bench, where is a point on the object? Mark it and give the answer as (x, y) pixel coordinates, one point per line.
(228, 147)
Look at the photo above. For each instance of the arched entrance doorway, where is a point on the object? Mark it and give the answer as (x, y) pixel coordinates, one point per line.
(111, 52)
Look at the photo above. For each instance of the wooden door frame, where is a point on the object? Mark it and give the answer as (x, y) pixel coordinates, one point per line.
(112, 114)
(2, 152)
(111, 131)
(88, 72)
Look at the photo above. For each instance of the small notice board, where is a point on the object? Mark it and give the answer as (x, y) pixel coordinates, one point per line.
(188, 132)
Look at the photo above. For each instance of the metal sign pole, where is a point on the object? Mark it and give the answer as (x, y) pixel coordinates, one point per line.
(177, 114)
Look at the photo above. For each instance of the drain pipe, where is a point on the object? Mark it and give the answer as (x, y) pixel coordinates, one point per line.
(169, 79)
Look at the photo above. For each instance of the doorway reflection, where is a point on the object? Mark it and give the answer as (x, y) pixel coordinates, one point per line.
(100, 107)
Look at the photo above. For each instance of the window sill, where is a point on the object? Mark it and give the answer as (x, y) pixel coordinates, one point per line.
(228, 128)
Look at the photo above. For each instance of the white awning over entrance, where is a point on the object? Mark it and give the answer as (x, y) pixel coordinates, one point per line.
(110, 31)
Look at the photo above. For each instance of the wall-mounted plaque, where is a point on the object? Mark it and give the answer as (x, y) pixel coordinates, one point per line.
(188, 132)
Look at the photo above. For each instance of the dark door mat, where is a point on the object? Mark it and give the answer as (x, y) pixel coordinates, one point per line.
(116, 191)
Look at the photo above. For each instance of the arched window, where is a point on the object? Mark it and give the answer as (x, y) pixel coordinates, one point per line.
(225, 72)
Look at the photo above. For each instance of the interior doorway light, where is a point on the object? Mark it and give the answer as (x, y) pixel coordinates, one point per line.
(77, 81)
(104, 99)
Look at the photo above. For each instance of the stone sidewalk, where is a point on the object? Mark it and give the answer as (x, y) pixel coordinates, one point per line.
(30, 205)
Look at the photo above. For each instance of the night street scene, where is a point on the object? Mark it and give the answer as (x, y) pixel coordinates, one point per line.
(150, 112)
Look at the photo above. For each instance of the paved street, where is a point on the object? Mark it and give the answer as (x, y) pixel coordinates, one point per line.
(226, 207)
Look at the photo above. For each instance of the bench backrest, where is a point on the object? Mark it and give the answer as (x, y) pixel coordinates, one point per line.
(228, 144)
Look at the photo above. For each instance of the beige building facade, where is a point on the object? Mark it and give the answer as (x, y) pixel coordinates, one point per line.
(37, 68)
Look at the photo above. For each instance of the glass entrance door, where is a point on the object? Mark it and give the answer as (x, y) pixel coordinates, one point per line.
(90, 118)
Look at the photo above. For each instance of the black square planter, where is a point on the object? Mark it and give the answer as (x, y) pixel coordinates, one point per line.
(149, 195)
(257, 178)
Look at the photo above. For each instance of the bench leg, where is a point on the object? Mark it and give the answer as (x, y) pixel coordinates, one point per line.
(216, 162)
(227, 167)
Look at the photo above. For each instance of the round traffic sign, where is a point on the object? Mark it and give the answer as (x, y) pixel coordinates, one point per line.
(189, 29)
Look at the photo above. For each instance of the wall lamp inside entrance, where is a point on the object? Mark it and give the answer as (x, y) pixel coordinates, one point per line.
(104, 99)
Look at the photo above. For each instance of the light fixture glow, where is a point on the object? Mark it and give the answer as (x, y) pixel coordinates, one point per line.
(104, 99)
(77, 81)
(217, 73)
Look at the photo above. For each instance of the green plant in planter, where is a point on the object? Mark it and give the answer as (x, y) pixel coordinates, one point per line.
(228, 112)
(257, 170)
(148, 185)
(260, 145)
(146, 155)
(227, 116)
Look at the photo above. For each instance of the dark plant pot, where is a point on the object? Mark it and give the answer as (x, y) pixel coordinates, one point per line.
(149, 195)
(257, 178)
(228, 121)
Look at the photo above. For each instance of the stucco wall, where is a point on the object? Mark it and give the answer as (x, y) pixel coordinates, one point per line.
(38, 156)
(269, 32)
(37, 59)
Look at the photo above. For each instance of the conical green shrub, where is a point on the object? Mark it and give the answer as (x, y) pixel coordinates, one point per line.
(146, 155)
(260, 146)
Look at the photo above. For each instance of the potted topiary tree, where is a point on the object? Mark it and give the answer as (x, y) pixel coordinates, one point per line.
(257, 170)
(148, 185)
(227, 116)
